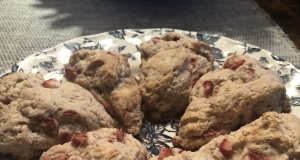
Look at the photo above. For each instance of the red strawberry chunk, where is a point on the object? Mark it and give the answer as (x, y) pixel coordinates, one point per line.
(164, 153)
(208, 88)
(193, 60)
(65, 137)
(70, 72)
(226, 148)
(250, 71)
(120, 135)
(48, 121)
(51, 83)
(144, 82)
(79, 139)
(254, 154)
(175, 38)
(194, 81)
(108, 108)
(110, 139)
(155, 39)
(128, 109)
(210, 132)
(71, 114)
(234, 64)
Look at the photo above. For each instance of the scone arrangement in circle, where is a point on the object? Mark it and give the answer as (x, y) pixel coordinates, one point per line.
(271, 137)
(79, 120)
(171, 65)
(108, 77)
(36, 114)
(105, 143)
(225, 99)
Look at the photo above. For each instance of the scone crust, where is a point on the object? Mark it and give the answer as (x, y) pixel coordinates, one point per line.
(108, 77)
(104, 143)
(236, 98)
(169, 70)
(273, 136)
(36, 118)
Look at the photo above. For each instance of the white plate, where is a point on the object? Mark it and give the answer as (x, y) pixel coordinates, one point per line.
(50, 63)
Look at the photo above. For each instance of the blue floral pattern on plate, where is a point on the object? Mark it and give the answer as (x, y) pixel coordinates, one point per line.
(50, 63)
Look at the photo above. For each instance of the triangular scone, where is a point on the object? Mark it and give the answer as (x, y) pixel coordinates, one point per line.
(226, 99)
(171, 65)
(37, 114)
(108, 77)
(271, 137)
(102, 144)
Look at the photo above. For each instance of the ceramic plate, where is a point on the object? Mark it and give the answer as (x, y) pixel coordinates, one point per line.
(50, 63)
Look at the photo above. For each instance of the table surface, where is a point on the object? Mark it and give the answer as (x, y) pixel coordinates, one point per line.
(30, 26)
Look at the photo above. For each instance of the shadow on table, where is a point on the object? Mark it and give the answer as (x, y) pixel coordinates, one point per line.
(239, 20)
(95, 16)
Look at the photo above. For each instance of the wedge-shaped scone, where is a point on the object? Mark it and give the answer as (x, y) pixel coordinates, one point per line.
(228, 98)
(108, 77)
(271, 137)
(37, 114)
(102, 144)
(170, 67)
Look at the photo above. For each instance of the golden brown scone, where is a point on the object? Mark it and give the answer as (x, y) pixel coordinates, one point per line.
(227, 98)
(271, 137)
(105, 143)
(108, 77)
(169, 70)
(37, 114)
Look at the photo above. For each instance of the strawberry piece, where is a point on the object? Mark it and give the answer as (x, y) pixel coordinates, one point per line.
(58, 156)
(120, 135)
(78, 139)
(108, 108)
(71, 114)
(155, 39)
(234, 64)
(70, 72)
(127, 109)
(48, 121)
(94, 74)
(226, 148)
(164, 153)
(208, 87)
(250, 71)
(210, 132)
(215, 93)
(194, 81)
(110, 139)
(51, 83)
(144, 82)
(175, 39)
(65, 137)
(193, 60)
(254, 154)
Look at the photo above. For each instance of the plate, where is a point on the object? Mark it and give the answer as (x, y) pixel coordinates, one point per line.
(50, 63)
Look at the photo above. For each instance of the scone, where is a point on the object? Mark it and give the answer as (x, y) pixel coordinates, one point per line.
(170, 67)
(108, 77)
(228, 98)
(173, 40)
(37, 114)
(271, 137)
(105, 143)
